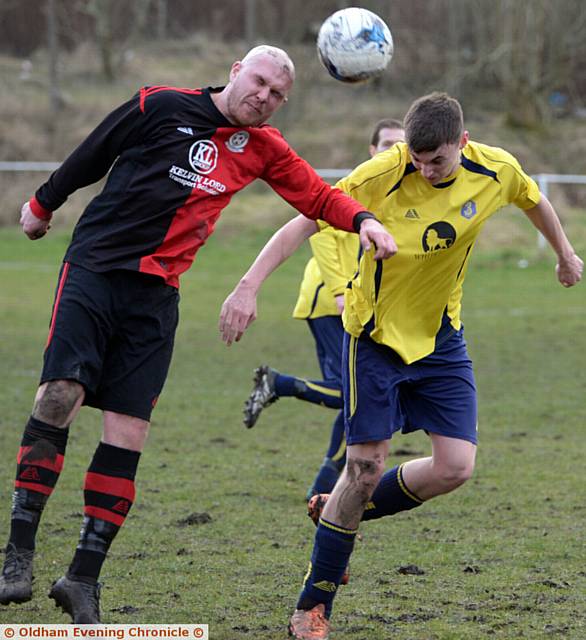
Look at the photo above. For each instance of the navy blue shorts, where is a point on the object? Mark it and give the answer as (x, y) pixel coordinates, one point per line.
(328, 333)
(383, 395)
(112, 332)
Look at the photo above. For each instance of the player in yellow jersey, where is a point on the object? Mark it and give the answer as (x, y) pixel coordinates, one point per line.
(320, 303)
(405, 361)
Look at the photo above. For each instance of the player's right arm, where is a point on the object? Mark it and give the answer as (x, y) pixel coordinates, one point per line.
(239, 308)
(87, 164)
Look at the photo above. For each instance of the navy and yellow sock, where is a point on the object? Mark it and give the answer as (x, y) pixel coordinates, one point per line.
(109, 493)
(323, 392)
(391, 496)
(39, 463)
(331, 552)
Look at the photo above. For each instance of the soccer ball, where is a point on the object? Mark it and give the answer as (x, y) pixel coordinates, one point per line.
(354, 45)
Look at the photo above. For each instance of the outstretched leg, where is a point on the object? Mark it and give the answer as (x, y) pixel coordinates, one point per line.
(269, 385)
(412, 483)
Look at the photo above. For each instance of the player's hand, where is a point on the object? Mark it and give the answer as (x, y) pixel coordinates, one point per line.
(340, 303)
(33, 227)
(237, 314)
(569, 270)
(373, 232)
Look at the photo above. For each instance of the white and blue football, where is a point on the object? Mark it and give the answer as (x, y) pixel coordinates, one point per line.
(354, 45)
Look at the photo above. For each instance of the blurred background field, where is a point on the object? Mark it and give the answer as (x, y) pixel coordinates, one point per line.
(501, 558)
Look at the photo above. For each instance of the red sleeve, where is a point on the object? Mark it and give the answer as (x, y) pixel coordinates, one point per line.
(298, 183)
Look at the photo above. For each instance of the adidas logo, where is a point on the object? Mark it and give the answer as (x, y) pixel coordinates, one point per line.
(412, 213)
(30, 473)
(324, 585)
(122, 506)
(187, 130)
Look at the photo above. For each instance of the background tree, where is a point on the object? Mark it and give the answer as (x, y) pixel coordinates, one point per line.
(517, 56)
(55, 95)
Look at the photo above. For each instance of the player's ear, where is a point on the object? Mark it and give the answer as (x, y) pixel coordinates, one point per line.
(464, 139)
(235, 69)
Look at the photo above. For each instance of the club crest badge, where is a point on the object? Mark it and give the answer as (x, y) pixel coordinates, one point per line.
(468, 209)
(237, 141)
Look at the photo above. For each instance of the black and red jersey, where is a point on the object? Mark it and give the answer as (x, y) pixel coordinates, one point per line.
(177, 162)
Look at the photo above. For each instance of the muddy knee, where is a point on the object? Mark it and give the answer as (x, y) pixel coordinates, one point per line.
(364, 474)
(58, 401)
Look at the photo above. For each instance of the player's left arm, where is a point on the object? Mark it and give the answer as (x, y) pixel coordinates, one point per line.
(239, 308)
(569, 266)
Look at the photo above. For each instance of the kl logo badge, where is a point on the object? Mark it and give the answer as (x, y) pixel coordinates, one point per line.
(203, 156)
(468, 209)
(238, 141)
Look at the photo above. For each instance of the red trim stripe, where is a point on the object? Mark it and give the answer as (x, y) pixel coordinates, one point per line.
(148, 91)
(33, 486)
(103, 514)
(110, 485)
(57, 300)
(53, 465)
(38, 210)
(142, 99)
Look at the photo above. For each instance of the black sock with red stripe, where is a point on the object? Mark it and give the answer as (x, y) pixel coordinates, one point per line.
(38, 465)
(109, 493)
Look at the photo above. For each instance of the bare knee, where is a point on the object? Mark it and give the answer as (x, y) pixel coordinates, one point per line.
(57, 402)
(453, 474)
(125, 431)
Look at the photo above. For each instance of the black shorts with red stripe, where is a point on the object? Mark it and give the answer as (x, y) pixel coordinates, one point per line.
(112, 332)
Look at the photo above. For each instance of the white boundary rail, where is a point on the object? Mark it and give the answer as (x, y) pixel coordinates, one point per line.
(29, 166)
(542, 179)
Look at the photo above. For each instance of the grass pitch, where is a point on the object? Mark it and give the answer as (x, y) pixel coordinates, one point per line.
(218, 533)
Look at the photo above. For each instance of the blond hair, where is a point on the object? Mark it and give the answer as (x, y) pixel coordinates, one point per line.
(280, 56)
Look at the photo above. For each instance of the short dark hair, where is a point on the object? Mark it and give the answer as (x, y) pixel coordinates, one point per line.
(386, 123)
(433, 120)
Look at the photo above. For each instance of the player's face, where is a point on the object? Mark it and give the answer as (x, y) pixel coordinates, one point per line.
(258, 88)
(441, 163)
(386, 139)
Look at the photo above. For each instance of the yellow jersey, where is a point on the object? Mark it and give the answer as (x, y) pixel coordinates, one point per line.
(400, 302)
(334, 263)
